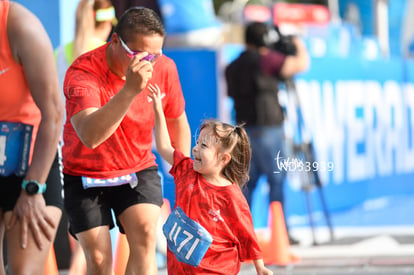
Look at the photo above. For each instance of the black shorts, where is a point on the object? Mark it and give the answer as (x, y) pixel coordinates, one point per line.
(10, 188)
(89, 208)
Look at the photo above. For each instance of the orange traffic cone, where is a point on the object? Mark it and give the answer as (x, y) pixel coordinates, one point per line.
(262, 238)
(277, 249)
(121, 255)
(51, 267)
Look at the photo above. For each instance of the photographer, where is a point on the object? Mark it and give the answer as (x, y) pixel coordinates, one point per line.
(252, 82)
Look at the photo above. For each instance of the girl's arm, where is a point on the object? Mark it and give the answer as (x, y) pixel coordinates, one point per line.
(261, 269)
(162, 138)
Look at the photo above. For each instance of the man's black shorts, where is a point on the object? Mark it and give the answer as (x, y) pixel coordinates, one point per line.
(89, 208)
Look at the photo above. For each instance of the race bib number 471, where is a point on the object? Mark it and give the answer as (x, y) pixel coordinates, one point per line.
(187, 239)
(15, 139)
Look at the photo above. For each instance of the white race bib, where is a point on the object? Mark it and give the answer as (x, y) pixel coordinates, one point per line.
(92, 182)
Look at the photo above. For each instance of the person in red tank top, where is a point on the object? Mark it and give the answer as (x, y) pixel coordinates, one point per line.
(107, 153)
(31, 112)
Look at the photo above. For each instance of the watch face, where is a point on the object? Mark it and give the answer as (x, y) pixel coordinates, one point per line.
(32, 188)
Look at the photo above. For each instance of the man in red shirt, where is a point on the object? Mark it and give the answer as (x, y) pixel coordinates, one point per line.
(108, 163)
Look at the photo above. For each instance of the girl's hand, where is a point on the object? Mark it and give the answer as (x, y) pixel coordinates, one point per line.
(155, 95)
(261, 269)
(264, 271)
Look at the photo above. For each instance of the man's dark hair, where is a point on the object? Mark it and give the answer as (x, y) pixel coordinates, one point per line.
(139, 20)
(255, 33)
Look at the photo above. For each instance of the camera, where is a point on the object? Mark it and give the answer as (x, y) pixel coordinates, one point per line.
(279, 42)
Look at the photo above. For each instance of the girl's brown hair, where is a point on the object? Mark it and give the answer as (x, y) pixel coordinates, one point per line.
(234, 140)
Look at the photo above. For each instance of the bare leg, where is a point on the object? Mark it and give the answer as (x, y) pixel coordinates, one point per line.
(140, 224)
(96, 245)
(30, 260)
(2, 271)
(78, 261)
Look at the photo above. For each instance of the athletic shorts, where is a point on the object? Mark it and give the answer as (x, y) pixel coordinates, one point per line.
(11, 186)
(91, 207)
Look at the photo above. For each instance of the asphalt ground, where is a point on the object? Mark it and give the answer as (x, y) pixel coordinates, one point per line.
(358, 251)
(335, 266)
(361, 254)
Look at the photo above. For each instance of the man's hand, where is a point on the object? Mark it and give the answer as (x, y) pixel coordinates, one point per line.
(139, 72)
(31, 212)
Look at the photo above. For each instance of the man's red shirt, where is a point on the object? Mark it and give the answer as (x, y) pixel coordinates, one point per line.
(90, 83)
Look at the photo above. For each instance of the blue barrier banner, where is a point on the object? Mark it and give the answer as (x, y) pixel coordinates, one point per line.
(359, 117)
(409, 71)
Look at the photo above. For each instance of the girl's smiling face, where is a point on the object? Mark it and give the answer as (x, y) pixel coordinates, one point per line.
(205, 153)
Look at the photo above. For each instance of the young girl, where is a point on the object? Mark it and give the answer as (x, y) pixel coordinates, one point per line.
(215, 217)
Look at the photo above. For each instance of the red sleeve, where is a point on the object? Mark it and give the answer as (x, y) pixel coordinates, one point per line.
(272, 63)
(81, 91)
(249, 248)
(181, 164)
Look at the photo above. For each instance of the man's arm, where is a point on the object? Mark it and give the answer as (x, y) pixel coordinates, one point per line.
(296, 63)
(180, 133)
(95, 125)
(39, 67)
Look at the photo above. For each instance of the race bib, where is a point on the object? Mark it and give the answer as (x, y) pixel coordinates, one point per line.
(187, 239)
(15, 140)
(91, 182)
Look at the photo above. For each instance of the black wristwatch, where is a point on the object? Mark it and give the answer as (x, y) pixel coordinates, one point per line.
(32, 187)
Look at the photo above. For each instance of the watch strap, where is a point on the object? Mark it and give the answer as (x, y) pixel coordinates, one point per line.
(42, 187)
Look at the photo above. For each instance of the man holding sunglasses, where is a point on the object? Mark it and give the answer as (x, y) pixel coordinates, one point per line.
(108, 162)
